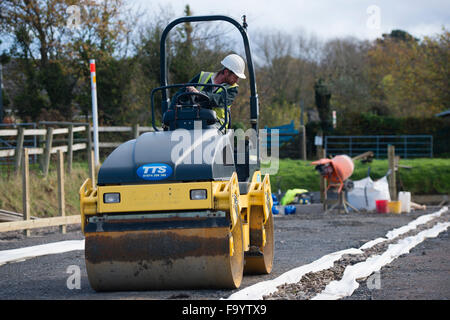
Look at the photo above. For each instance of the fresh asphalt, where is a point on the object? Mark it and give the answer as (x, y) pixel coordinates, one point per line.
(299, 239)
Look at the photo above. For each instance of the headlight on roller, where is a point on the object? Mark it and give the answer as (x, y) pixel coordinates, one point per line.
(111, 198)
(198, 194)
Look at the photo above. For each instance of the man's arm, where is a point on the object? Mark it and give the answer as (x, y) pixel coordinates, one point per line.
(217, 99)
(195, 79)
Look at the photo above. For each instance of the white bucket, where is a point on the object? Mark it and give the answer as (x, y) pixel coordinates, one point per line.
(405, 198)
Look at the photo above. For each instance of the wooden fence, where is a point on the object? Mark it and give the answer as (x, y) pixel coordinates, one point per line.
(29, 222)
(48, 149)
(21, 161)
(47, 137)
(134, 131)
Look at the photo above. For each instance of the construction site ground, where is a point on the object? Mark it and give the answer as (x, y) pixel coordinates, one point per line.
(300, 239)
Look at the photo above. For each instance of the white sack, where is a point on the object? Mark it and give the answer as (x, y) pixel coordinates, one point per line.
(366, 191)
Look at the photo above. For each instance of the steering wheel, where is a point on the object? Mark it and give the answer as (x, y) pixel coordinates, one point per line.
(192, 98)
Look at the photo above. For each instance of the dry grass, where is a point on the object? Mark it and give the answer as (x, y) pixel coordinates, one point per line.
(43, 191)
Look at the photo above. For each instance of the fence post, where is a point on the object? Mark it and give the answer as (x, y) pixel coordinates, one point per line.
(405, 151)
(90, 153)
(25, 190)
(323, 183)
(135, 131)
(19, 148)
(70, 149)
(392, 180)
(303, 142)
(378, 148)
(48, 150)
(92, 170)
(40, 143)
(431, 146)
(61, 198)
(89, 140)
(351, 149)
(319, 148)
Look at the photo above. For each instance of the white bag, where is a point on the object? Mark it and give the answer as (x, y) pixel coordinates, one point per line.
(357, 196)
(366, 192)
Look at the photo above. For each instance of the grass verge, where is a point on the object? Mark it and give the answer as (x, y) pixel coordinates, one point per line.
(427, 176)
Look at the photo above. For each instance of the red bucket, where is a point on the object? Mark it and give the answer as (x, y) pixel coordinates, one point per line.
(382, 206)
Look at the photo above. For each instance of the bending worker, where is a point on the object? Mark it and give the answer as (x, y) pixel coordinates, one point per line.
(228, 76)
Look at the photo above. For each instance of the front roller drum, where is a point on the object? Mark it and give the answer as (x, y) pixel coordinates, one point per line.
(259, 259)
(185, 254)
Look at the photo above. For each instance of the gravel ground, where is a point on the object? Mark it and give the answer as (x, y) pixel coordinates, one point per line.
(314, 282)
(299, 239)
(423, 274)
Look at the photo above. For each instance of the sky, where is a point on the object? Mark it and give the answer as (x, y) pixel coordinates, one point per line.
(326, 19)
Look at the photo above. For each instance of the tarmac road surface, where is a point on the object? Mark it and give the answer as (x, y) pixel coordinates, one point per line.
(299, 239)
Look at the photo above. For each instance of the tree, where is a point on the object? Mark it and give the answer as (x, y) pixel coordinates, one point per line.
(323, 97)
(398, 35)
(104, 35)
(35, 27)
(55, 58)
(284, 75)
(182, 66)
(410, 78)
(344, 66)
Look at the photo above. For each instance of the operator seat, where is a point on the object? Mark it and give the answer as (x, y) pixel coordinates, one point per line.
(175, 118)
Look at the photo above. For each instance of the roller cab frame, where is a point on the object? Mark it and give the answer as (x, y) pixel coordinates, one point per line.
(154, 221)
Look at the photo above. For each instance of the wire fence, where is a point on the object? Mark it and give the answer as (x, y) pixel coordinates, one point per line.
(407, 146)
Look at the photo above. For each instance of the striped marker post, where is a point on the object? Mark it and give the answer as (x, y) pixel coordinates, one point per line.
(94, 112)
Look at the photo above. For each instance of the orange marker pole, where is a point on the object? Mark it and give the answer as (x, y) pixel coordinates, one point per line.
(94, 112)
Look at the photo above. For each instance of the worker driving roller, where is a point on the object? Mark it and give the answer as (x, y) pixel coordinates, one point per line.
(233, 70)
(154, 221)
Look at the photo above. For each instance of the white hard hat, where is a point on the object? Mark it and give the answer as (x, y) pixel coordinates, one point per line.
(236, 64)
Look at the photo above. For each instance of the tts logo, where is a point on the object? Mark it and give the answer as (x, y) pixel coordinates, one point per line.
(154, 169)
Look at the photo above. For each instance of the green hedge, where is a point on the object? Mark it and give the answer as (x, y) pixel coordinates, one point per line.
(427, 176)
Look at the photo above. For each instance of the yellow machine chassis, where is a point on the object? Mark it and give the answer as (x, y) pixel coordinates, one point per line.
(250, 227)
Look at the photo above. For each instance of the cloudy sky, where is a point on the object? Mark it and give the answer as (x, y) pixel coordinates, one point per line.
(364, 19)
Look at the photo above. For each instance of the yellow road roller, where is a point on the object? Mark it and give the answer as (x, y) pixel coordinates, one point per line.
(183, 206)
